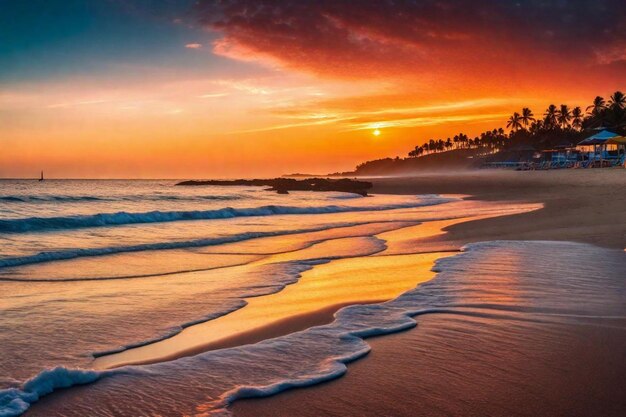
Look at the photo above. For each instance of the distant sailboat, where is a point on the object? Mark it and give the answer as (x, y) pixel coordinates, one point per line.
(41, 178)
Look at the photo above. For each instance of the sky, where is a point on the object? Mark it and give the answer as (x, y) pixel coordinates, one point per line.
(244, 88)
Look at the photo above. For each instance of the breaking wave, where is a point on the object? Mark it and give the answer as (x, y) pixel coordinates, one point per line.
(38, 224)
(77, 253)
(15, 401)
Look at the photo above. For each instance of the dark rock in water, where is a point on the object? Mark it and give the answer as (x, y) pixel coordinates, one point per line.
(284, 185)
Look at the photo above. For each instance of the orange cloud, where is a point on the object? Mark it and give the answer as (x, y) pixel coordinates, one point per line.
(437, 43)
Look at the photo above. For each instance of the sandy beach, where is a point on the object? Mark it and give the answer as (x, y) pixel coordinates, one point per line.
(439, 370)
(580, 205)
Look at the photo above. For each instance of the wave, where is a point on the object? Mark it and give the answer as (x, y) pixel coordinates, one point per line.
(345, 196)
(39, 224)
(77, 253)
(171, 332)
(293, 274)
(335, 369)
(87, 198)
(15, 401)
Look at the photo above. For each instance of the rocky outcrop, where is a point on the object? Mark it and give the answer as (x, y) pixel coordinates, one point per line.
(284, 185)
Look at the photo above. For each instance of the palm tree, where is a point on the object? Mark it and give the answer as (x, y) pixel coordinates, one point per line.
(527, 117)
(564, 115)
(597, 112)
(514, 122)
(577, 118)
(463, 139)
(617, 101)
(597, 107)
(550, 116)
(617, 118)
(536, 127)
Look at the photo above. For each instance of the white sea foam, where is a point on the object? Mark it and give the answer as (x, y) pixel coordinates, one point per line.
(15, 401)
(36, 224)
(77, 253)
(345, 196)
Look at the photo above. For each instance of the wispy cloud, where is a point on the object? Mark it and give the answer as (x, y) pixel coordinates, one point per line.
(291, 125)
(427, 121)
(213, 95)
(390, 115)
(77, 103)
(193, 46)
(409, 117)
(378, 107)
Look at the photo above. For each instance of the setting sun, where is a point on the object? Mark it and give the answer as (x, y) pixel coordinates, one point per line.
(376, 132)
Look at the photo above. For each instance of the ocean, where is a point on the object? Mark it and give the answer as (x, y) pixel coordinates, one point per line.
(95, 274)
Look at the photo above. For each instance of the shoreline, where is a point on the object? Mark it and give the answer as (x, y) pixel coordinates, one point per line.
(283, 327)
(355, 278)
(380, 384)
(580, 206)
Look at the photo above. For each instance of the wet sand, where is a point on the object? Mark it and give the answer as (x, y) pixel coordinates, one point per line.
(431, 371)
(406, 375)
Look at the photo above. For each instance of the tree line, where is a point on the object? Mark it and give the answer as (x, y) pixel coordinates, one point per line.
(556, 125)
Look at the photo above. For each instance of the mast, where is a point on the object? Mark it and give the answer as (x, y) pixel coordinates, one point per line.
(41, 178)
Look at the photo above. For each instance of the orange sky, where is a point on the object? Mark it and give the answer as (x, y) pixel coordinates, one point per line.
(300, 89)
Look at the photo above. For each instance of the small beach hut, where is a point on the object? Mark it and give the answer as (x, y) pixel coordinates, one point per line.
(600, 140)
(617, 140)
(620, 141)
